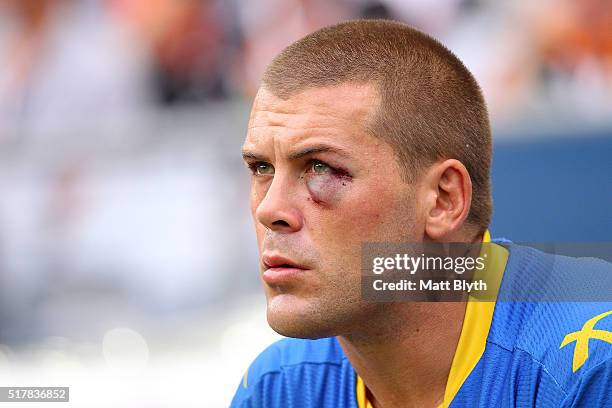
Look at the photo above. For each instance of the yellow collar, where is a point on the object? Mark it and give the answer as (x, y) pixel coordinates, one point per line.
(475, 329)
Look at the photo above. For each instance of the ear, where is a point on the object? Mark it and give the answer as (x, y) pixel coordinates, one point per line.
(448, 192)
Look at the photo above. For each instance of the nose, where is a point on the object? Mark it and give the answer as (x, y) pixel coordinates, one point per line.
(277, 210)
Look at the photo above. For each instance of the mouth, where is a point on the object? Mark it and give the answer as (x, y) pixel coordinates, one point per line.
(280, 270)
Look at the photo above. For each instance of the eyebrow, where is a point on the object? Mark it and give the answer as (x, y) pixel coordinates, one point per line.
(247, 155)
(300, 153)
(318, 149)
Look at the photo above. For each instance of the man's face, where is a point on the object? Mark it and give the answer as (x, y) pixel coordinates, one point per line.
(321, 186)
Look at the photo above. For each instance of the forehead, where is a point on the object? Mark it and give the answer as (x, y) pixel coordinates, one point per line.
(345, 109)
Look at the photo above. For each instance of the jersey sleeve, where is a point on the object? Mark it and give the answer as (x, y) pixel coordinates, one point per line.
(262, 394)
(298, 373)
(259, 386)
(593, 389)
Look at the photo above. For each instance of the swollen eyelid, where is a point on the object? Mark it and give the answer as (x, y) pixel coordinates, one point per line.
(327, 188)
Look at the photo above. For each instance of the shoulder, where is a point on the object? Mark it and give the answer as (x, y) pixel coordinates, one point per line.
(567, 340)
(556, 316)
(532, 275)
(293, 369)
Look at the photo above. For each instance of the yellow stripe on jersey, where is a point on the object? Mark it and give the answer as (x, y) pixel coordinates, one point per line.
(362, 398)
(477, 321)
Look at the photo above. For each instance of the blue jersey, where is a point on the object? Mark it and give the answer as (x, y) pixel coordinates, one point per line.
(510, 353)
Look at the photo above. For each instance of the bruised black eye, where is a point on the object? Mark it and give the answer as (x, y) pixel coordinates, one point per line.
(262, 169)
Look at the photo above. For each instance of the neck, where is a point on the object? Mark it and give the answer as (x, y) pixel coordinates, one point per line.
(405, 353)
(405, 357)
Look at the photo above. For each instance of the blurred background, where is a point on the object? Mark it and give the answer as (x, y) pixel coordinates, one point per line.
(128, 267)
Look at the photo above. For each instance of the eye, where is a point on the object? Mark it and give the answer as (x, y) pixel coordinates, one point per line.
(261, 169)
(319, 167)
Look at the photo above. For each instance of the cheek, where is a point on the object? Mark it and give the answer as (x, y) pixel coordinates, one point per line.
(256, 196)
(367, 213)
(258, 193)
(327, 189)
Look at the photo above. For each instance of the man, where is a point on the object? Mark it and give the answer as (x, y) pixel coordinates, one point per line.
(370, 131)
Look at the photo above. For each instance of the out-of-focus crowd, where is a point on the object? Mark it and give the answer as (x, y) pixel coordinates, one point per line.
(121, 121)
(69, 63)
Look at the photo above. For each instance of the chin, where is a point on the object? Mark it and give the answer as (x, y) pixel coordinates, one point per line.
(299, 329)
(293, 316)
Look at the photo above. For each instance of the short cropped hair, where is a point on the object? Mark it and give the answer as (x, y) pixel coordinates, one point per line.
(431, 107)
